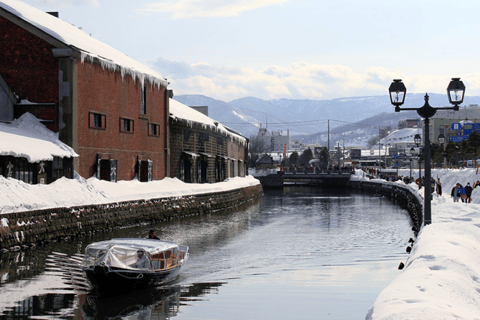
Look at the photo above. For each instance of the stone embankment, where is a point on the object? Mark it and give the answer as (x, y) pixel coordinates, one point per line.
(402, 194)
(36, 227)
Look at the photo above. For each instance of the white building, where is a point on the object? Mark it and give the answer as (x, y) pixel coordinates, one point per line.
(274, 141)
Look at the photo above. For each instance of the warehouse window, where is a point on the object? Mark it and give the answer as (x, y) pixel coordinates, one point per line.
(126, 125)
(97, 120)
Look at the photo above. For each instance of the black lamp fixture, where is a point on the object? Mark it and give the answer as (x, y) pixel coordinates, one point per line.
(456, 93)
(417, 139)
(441, 138)
(398, 91)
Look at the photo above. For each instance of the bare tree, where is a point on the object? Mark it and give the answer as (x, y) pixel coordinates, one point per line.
(256, 145)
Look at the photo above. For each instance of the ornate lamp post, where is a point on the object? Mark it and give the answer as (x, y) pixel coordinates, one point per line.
(412, 152)
(418, 141)
(441, 141)
(456, 93)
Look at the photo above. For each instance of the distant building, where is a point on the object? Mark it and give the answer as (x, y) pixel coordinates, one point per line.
(414, 123)
(264, 162)
(274, 141)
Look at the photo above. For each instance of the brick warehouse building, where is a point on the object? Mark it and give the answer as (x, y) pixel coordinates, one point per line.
(112, 110)
(204, 151)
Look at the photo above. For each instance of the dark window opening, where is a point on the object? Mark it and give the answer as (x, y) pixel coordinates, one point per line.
(126, 125)
(202, 171)
(97, 120)
(186, 170)
(219, 170)
(154, 129)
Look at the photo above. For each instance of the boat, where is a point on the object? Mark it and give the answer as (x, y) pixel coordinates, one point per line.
(132, 263)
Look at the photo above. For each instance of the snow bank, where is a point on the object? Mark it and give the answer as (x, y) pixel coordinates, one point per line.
(441, 277)
(18, 196)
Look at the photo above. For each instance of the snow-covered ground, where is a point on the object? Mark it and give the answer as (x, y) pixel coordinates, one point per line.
(18, 196)
(441, 278)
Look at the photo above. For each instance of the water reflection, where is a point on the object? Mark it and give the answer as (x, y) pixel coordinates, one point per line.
(303, 252)
(46, 306)
(153, 303)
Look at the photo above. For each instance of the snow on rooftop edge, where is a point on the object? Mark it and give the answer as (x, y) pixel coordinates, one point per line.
(89, 47)
(28, 138)
(182, 111)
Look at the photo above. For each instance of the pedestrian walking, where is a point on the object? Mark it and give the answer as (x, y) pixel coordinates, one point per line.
(456, 192)
(439, 187)
(468, 193)
(461, 193)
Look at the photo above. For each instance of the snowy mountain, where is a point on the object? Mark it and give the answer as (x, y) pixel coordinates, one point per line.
(357, 118)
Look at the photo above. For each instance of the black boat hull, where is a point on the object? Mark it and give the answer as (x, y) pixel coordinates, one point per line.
(106, 279)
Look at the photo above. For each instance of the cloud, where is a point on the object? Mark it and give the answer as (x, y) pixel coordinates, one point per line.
(69, 3)
(184, 9)
(299, 80)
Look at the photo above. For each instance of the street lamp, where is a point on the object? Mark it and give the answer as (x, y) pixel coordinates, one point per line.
(418, 140)
(441, 140)
(456, 93)
(412, 152)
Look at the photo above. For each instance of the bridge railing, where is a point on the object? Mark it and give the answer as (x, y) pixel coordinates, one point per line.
(318, 170)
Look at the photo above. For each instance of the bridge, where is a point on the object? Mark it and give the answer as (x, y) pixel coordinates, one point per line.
(309, 178)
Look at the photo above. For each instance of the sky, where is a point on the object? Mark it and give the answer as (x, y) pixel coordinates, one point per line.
(294, 49)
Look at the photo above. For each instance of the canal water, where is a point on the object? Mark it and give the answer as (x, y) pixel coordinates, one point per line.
(300, 253)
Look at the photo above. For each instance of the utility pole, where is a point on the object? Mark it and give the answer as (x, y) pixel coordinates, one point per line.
(328, 136)
(379, 154)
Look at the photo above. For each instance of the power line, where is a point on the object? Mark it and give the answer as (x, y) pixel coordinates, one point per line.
(300, 123)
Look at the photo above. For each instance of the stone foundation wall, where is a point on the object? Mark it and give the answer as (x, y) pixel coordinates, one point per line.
(36, 227)
(402, 194)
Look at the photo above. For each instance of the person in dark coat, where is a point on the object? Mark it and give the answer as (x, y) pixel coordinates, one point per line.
(456, 192)
(439, 187)
(461, 192)
(468, 193)
(153, 235)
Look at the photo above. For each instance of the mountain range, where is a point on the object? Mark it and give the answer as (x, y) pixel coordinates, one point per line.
(352, 120)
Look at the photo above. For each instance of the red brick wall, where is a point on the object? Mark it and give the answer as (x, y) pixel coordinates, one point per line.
(28, 67)
(104, 91)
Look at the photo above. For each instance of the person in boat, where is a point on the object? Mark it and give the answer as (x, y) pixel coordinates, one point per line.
(153, 235)
(142, 260)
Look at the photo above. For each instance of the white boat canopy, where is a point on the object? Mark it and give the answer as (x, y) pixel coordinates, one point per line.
(152, 246)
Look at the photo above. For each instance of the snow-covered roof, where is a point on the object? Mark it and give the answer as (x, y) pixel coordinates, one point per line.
(402, 135)
(181, 111)
(88, 46)
(26, 137)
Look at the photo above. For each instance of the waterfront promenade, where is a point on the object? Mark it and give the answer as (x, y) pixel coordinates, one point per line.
(441, 277)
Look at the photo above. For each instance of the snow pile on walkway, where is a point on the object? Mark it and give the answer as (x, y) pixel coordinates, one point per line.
(441, 278)
(18, 196)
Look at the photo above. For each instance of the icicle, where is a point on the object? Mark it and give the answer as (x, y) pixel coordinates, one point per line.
(82, 56)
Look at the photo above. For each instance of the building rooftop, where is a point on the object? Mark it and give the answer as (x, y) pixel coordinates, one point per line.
(89, 47)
